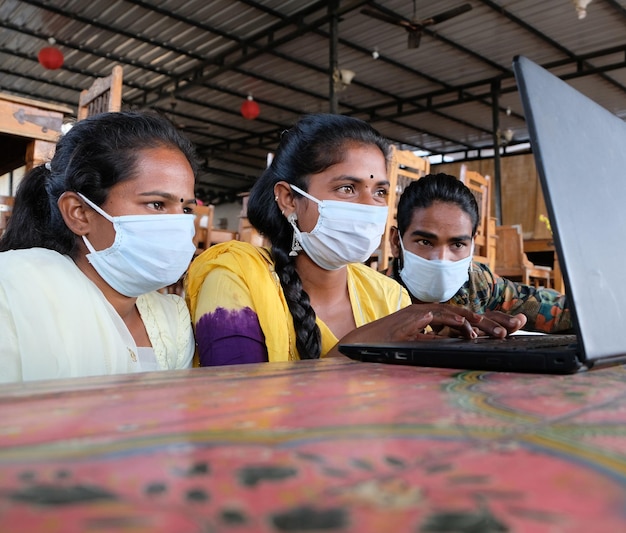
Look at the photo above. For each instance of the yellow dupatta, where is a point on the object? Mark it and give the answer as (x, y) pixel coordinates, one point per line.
(255, 267)
(372, 294)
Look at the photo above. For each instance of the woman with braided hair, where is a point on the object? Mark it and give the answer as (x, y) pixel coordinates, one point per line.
(322, 203)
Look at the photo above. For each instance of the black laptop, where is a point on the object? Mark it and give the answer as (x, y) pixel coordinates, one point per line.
(580, 153)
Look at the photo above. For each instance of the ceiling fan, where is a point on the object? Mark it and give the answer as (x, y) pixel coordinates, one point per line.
(414, 26)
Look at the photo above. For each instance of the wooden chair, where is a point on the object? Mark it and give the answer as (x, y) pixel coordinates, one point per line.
(6, 207)
(511, 261)
(485, 240)
(204, 225)
(105, 94)
(404, 166)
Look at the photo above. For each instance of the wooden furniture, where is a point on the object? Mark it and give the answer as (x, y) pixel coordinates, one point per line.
(511, 261)
(29, 130)
(404, 167)
(485, 239)
(547, 245)
(247, 232)
(6, 207)
(105, 94)
(340, 445)
(203, 223)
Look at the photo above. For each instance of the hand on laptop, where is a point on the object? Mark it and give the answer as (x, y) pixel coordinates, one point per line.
(412, 322)
(492, 324)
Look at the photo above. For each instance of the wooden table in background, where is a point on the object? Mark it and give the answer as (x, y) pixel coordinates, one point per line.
(330, 445)
(547, 245)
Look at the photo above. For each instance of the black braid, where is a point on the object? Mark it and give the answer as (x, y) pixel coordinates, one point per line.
(308, 336)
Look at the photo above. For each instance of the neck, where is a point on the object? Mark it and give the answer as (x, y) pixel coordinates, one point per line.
(124, 305)
(317, 281)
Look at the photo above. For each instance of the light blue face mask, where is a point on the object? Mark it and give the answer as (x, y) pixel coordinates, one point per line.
(434, 280)
(149, 252)
(346, 232)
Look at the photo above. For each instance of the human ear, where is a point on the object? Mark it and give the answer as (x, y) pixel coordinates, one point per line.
(74, 213)
(394, 241)
(283, 195)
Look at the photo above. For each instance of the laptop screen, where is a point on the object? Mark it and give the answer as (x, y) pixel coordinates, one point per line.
(580, 153)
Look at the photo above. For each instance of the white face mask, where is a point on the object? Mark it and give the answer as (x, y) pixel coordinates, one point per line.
(435, 280)
(149, 252)
(345, 232)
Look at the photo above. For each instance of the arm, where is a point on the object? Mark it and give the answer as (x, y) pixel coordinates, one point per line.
(410, 323)
(546, 310)
(227, 327)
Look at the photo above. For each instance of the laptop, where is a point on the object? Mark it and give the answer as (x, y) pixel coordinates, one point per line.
(580, 153)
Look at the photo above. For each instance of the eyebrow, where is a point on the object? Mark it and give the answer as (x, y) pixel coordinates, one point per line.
(168, 196)
(354, 179)
(434, 236)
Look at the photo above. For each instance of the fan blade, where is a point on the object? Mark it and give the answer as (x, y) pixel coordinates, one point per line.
(382, 13)
(446, 15)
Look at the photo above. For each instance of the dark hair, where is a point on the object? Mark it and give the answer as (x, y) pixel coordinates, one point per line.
(431, 189)
(314, 144)
(94, 155)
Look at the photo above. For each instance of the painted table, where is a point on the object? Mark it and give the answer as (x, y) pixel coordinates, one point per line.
(328, 446)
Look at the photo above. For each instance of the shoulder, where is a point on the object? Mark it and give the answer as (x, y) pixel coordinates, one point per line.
(231, 254)
(37, 266)
(167, 303)
(370, 276)
(35, 256)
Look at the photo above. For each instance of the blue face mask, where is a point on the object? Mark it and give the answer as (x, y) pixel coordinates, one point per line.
(346, 232)
(149, 252)
(433, 280)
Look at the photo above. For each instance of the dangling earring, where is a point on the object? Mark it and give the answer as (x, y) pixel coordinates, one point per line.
(295, 245)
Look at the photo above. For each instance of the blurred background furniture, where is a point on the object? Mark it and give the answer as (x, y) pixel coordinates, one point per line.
(543, 250)
(485, 239)
(512, 263)
(6, 206)
(404, 167)
(203, 223)
(29, 130)
(105, 94)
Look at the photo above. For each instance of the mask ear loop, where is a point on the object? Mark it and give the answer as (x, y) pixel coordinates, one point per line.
(295, 244)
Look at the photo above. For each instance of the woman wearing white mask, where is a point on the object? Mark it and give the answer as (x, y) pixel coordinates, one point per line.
(322, 204)
(93, 235)
(433, 248)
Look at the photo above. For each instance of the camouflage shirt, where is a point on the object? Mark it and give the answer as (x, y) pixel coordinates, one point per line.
(546, 309)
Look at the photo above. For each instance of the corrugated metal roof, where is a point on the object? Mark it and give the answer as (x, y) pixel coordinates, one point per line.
(198, 60)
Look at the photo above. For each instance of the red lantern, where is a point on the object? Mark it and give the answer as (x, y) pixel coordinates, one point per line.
(250, 109)
(50, 57)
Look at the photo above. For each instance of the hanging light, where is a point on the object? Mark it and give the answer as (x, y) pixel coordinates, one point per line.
(50, 57)
(250, 109)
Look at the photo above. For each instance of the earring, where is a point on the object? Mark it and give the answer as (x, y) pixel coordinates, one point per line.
(276, 198)
(295, 245)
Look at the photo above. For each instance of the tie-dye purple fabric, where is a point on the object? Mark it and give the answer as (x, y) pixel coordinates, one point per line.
(230, 338)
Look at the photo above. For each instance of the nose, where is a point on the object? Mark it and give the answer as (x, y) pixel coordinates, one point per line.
(442, 253)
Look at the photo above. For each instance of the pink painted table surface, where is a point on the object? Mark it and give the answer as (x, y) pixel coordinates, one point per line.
(327, 446)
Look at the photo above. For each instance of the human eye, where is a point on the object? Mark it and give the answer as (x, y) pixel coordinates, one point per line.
(347, 189)
(157, 205)
(189, 210)
(423, 242)
(382, 192)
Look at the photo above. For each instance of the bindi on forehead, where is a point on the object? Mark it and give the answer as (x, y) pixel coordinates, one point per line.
(371, 176)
